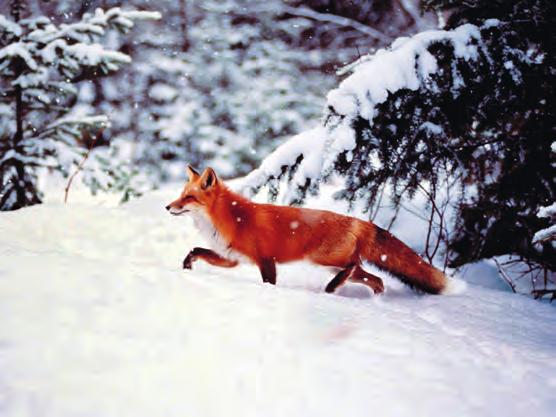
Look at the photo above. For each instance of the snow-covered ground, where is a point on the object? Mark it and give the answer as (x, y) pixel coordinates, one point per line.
(97, 319)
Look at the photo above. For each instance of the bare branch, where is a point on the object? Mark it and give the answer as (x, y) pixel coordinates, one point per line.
(337, 20)
(504, 276)
(80, 166)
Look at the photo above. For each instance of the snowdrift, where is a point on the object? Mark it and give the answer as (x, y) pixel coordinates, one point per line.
(98, 319)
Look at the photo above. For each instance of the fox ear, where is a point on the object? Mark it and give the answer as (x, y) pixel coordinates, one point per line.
(191, 173)
(208, 179)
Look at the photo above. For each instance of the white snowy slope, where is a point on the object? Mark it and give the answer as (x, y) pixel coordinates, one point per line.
(97, 319)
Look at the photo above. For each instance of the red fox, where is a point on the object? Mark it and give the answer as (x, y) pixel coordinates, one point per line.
(267, 234)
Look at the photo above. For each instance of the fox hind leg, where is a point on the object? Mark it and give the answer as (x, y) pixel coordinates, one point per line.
(361, 276)
(340, 278)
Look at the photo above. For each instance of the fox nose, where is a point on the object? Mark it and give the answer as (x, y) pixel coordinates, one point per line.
(168, 207)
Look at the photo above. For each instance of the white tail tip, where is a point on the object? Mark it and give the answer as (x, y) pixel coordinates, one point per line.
(454, 287)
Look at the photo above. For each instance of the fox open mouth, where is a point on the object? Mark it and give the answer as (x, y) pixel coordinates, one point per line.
(177, 213)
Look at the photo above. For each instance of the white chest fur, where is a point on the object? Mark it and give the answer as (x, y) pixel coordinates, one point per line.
(215, 240)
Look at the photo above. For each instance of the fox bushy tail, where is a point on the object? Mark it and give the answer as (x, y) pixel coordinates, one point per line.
(392, 255)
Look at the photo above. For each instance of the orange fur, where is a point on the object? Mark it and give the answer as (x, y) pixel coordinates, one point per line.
(268, 234)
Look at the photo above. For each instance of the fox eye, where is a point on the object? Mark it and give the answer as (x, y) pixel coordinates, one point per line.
(189, 198)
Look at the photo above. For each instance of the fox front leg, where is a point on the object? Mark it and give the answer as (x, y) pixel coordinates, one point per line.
(208, 256)
(268, 270)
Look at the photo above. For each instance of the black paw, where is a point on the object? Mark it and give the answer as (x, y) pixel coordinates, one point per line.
(188, 262)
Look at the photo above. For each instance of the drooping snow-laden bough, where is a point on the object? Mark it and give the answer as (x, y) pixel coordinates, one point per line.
(409, 64)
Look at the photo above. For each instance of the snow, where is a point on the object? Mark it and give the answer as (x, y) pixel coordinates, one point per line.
(432, 128)
(121, 17)
(98, 319)
(548, 233)
(309, 144)
(90, 25)
(548, 211)
(391, 70)
(162, 92)
(9, 26)
(95, 54)
(545, 234)
(80, 120)
(18, 49)
(33, 79)
(140, 15)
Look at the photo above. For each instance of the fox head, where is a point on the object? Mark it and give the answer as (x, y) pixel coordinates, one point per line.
(198, 194)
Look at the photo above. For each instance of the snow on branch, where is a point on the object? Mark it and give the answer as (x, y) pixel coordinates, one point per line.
(548, 211)
(545, 235)
(18, 49)
(91, 25)
(548, 234)
(97, 120)
(71, 47)
(307, 147)
(121, 18)
(406, 64)
(138, 14)
(8, 26)
(95, 54)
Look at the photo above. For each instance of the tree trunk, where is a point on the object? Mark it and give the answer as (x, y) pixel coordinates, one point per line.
(20, 181)
(183, 26)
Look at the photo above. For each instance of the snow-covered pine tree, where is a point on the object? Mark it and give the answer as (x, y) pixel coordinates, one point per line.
(40, 64)
(469, 107)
